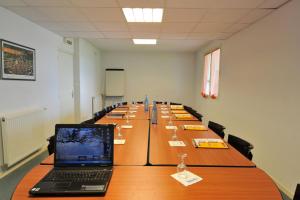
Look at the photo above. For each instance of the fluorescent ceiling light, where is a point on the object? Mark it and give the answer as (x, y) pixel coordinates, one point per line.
(143, 14)
(145, 41)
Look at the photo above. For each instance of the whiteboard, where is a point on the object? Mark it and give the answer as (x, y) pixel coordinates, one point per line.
(115, 82)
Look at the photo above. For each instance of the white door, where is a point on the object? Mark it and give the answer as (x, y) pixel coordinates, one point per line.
(66, 89)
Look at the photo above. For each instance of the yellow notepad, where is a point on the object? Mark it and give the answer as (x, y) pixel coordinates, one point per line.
(210, 143)
(179, 112)
(176, 107)
(195, 127)
(183, 116)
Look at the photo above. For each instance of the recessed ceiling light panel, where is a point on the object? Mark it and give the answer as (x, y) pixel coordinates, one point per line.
(145, 41)
(143, 14)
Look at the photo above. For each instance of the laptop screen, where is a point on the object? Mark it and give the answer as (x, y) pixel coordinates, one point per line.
(84, 145)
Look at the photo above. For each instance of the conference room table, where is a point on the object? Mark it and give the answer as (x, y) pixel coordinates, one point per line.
(161, 153)
(134, 151)
(145, 163)
(155, 182)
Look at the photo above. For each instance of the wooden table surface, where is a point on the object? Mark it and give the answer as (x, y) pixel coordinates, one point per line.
(163, 154)
(148, 183)
(134, 151)
(161, 113)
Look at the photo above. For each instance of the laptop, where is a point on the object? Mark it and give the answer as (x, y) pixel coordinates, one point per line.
(83, 161)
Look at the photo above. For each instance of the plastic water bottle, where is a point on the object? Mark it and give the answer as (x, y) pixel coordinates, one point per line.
(154, 113)
(146, 104)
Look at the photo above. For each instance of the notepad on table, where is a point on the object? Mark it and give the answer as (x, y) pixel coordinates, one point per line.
(176, 143)
(195, 127)
(179, 112)
(119, 141)
(183, 116)
(209, 143)
(177, 107)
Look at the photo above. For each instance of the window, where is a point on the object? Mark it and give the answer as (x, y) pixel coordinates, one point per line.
(210, 85)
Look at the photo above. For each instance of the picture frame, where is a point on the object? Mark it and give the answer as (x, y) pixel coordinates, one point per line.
(17, 61)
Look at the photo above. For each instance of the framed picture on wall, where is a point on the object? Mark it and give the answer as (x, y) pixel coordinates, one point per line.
(17, 61)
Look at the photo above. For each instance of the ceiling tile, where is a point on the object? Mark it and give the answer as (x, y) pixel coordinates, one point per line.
(213, 4)
(63, 14)
(208, 36)
(181, 45)
(255, 15)
(47, 2)
(145, 27)
(140, 35)
(68, 26)
(95, 3)
(235, 28)
(141, 3)
(117, 34)
(30, 13)
(272, 3)
(111, 26)
(80, 34)
(211, 27)
(178, 27)
(225, 15)
(183, 15)
(172, 36)
(12, 3)
(104, 14)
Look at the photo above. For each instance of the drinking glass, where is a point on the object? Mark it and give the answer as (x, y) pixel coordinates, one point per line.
(174, 136)
(119, 131)
(181, 167)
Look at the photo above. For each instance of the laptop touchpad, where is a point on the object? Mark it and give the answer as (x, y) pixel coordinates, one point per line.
(62, 185)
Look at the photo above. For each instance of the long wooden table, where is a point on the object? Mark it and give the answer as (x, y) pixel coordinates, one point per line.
(162, 154)
(134, 151)
(144, 182)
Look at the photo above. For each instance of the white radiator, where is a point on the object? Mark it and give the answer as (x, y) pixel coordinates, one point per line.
(96, 104)
(22, 133)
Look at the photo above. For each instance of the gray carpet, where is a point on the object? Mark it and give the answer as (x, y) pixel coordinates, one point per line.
(8, 183)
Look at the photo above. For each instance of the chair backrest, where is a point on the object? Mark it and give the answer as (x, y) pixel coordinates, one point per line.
(158, 102)
(124, 103)
(297, 193)
(89, 121)
(198, 116)
(217, 128)
(241, 145)
(139, 102)
(51, 141)
(99, 115)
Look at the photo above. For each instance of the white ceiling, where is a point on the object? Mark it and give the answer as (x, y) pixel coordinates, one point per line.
(186, 26)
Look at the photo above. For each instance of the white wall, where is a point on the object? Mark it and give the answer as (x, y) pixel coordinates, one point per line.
(17, 95)
(161, 75)
(259, 92)
(89, 78)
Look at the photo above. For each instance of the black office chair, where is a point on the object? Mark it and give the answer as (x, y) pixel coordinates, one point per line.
(158, 102)
(297, 193)
(217, 128)
(198, 116)
(124, 103)
(99, 115)
(50, 146)
(241, 145)
(139, 102)
(89, 121)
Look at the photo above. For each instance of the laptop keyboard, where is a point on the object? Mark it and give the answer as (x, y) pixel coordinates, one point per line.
(78, 176)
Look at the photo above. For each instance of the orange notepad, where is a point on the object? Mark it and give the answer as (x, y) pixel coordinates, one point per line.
(195, 127)
(179, 112)
(183, 116)
(209, 143)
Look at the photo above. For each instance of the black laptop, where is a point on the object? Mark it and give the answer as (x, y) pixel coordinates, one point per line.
(83, 161)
